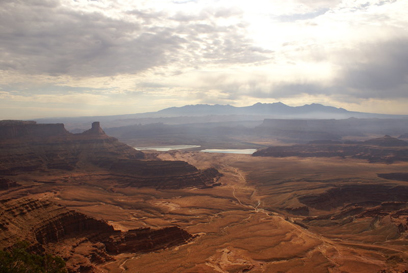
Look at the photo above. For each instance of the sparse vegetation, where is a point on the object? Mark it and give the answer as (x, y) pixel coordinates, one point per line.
(20, 260)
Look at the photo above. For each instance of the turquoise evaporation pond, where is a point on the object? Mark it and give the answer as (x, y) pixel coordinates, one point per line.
(167, 148)
(230, 151)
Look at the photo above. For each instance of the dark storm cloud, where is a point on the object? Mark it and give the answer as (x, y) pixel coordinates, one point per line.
(42, 37)
(39, 39)
(373, 71)
(377, 70)
(294, 89)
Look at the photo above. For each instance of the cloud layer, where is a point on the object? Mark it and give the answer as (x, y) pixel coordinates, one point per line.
(125, 57)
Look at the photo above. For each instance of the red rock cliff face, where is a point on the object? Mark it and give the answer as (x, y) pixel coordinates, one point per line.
(95, 130)
(27, 147)
(51, 227)
(146, 240)
(161, 174)
(6, 184)
(384, 149)
(42, 222)
(30, 129)
(66, 224)
(60, 150)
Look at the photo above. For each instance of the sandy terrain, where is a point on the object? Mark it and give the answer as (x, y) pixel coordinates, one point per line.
(253, 222)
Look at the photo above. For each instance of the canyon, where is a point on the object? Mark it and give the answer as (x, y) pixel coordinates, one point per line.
(384, 149)
(79, 239)
(103, 206)
(40, 155)
(27, 147)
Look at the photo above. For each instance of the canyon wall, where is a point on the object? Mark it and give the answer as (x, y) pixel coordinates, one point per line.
(10, 129)
(385, 149)
(28, 147)
(6, 184)
(59, 150)
(333, 127)
(53, 228)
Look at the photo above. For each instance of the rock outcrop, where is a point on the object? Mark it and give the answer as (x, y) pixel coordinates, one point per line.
(394, 176)
(385, 149)
(146, 240)
(24, 148)
(52, 228)
(304, 130)
(356, 194)
(387, 141)
(95, 130)
(14, 129)
(28, 147)
(42, 222)
(6, 184)
(163, 174)
(377, 210)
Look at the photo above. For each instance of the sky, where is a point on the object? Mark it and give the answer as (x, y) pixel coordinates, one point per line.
(65, 58)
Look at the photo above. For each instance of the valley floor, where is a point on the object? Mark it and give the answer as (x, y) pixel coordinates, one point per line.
(257, 220)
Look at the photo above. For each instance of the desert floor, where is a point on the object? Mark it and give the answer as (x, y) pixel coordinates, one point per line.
(248, 223)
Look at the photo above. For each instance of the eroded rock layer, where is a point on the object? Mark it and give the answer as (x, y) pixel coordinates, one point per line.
(385, 149)
(12, 129)
(378, 210)
(6, 184)
(27, 147)
(53, 228)
(42, 222)
(356, 194)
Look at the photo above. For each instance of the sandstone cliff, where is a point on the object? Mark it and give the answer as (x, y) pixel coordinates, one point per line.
(6, 184)
(385, 149)
(78, 238)
(42, 222)
(379, 211)
(13, 129)
(25, 148)
(387, 141)
(303, 130)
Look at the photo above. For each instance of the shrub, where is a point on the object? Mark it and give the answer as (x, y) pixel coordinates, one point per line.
(19, 260)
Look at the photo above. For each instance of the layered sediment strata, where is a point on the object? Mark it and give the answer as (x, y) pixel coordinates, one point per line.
(385, 149)
(163, 174)
(28, 147)
(15, 129)
(303, 130)
(52, 228)
(42, 222)
(377, 210)
(6, 184)
(394, 176)
(23, 151)
(356, 194)
(386, 141)
(146, 240)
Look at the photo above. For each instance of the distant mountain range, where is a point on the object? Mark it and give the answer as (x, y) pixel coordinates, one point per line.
(274, 109)
(204, 113)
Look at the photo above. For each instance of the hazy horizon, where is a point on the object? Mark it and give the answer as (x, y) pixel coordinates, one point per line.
(170, 108)
(96, 58)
